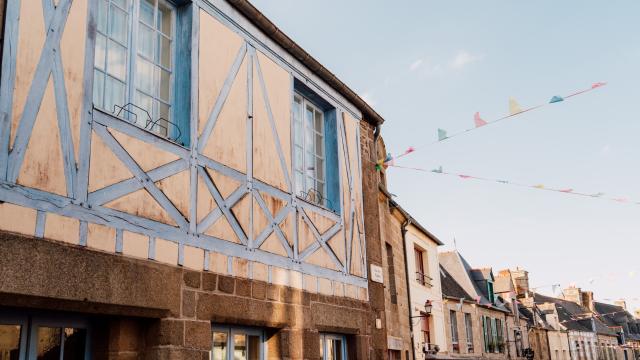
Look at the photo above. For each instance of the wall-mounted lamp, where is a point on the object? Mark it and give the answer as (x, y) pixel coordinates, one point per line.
(428, 306)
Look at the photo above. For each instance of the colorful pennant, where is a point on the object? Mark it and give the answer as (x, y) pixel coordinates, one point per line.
(569, 191)
(514, 110)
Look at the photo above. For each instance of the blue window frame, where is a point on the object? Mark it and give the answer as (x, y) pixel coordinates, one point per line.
(138, 64)
(315, 149)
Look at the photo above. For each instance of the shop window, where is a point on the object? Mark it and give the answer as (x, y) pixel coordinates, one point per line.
(236, 343)
(333, 347)
(43, 338)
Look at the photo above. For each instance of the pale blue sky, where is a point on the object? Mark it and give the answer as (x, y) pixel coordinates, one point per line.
(430, 64)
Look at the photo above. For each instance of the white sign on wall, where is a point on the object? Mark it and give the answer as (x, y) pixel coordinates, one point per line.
(376, 273)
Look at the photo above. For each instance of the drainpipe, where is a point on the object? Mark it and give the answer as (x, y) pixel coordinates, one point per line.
(406, 273)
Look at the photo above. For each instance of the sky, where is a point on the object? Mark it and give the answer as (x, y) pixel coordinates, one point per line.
(425, 65)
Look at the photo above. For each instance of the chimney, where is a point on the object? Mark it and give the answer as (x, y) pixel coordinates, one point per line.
(573, 294)
(521, 279)
(621, 303)
(587, 300)
(638, 314)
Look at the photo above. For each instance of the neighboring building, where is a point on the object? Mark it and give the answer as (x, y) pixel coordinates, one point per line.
(494, 318)
(588, 337)
(627, 328)
(519, 330)
(179, 179)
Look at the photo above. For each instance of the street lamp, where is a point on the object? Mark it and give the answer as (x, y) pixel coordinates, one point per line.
(427, 307)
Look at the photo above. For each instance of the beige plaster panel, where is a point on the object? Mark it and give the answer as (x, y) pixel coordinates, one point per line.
(193, 258)
(134, 244)
(31, 35)
(43, 167)
(141, 203)
(218, 49)
(240, 267)
(273, 245)
(72, 46)
(305, 235)
(105, 169)
(224, 184)
(146, 155)
(218, 263)
(338, 288)
(353, 144)
(176, 188)
(166, 251)
(266, 161)
(338, 246)
(325, 287)
(221, 229)
(18, 219)
(310, 283)
(321, 258)
(101, 237)
(231, 124)
(241, 211)
(62, 228)
(280, 276)
(260, 271)
(205, 202)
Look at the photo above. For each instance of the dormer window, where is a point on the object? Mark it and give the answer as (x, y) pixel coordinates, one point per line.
(492, 296)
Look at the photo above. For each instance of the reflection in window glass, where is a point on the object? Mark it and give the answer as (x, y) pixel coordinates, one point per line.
(75, 341)
(219, 346)
(9, 342)
(240, 347)
(49, 343)
(332, 347)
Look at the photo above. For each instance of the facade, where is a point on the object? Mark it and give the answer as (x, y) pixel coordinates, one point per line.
(179, 179)
(521, 328)
(619, 320)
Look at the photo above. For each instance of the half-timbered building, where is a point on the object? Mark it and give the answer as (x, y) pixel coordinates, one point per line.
(179, 179)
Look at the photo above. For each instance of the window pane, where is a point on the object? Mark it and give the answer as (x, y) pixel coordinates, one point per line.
(98, 88)
(49, 343)
(146, 11)
(144, 76)
(254, 348)
(219, 346)
(74, 344)
(165, 85)
(103, 12)
(118, 28)
(309, 164)
(162, 126)
(309, 117)
(297, 109)
(165, 21)
(122, 3)
(298, 161)
(320, 169)
(101, 47)
(164, 50)
(9, 342)
(114, 94)
(240, 347)
(117, 59)
(318, 125)
(299, 183)
(308, 140)
(319, 147)
(145, 41)
(146, 103)
(310, 186)
(298, 133)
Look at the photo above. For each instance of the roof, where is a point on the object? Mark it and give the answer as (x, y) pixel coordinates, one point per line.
(274, 33)
(573, 316)
(617, 316)
(408, 216)
(503, 283)
(451, 288)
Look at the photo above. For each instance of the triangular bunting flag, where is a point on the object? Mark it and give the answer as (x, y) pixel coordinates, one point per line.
(556, 99)
(478, 121)
(464, 176)
(438, 170)
(598, 84)
(597, 194)
(514, 107)
(566, 190)
(442, 134)
(539, 186)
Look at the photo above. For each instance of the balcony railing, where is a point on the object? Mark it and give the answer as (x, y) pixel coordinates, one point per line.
(423, 279)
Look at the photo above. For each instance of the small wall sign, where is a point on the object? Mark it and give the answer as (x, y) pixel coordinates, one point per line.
(376, 274)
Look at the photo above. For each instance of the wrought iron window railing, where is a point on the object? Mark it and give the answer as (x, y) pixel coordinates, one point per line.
(160, 126)
(423, 279)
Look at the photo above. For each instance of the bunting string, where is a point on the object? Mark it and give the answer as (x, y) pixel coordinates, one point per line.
(514, 110)
(566, 191)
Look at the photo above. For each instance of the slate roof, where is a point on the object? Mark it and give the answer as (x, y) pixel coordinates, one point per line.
(573, 316)
(451, 288)
(614, 316)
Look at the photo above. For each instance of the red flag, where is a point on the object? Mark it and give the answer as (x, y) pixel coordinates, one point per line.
(478, 121)
(465, 176)
(566, 190)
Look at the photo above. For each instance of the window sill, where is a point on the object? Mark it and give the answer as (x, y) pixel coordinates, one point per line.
(307, 202)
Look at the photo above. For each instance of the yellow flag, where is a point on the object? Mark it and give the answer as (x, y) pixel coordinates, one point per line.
(539, 186)
(514, 107)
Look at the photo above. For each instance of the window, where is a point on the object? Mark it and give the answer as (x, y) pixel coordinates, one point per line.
(485, 333)
(29, 337)
(394, 354)
(424, 328)
(391, 273)
(492, 297)
(230, 343)
(333, 347)
(453, 323)
(135, 58)
(309, 152)
(421, 275)
(468, 325)
(499, 336)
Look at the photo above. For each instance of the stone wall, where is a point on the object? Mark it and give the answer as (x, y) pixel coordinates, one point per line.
(539, 343)
(147, 310)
